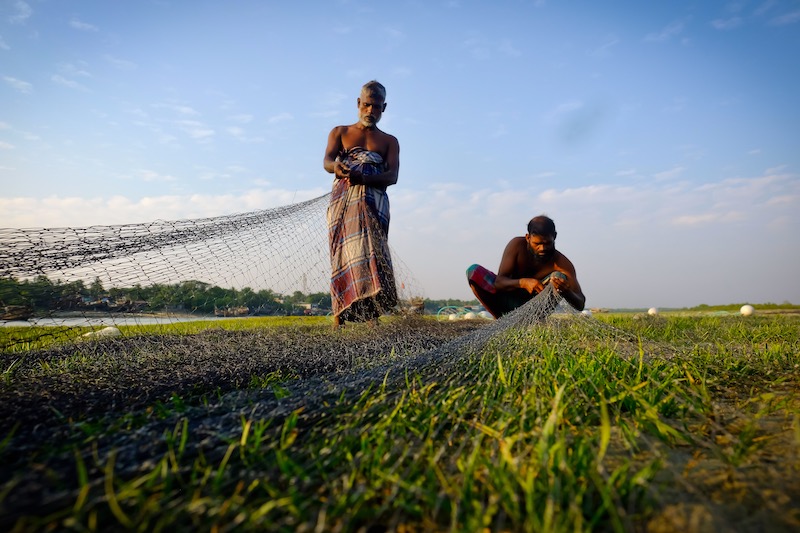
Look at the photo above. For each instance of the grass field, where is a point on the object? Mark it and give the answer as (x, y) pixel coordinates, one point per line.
(610, 423)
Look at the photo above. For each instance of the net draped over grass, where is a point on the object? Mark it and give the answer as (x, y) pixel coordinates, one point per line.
(610, 423)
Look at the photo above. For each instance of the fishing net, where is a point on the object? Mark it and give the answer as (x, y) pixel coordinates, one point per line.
(267, 262)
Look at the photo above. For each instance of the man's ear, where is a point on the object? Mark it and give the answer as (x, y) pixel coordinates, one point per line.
(384, 107)
(358, 102)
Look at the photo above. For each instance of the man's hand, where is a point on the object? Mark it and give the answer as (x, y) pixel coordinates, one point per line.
(356, 177)
(340, 170)
(561, 285)
(532, 285)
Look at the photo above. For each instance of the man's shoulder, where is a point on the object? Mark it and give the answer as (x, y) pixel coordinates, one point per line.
(342, 129)
(562, 260)
(387, 136)
(516, 245)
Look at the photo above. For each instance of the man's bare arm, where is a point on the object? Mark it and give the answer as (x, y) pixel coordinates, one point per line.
(332, 151)
(569, 289)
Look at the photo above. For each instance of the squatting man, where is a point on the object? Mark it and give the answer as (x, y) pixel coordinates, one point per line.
(528, 264)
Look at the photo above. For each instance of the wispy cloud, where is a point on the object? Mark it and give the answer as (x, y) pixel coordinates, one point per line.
(726, 24)
(788, 18)
(394, 33)
(196, 130)
(121, 64)
(240, 134)
(69, 69)
(21, 12)
(19, 85)
(65, 82)
(478, 47)
(673, 29)
(6, 146)
(78, 24)
(281, 117)
(178, 108)
(668, 174)
(604, 49)
(507, 47)
(241, 118)
(153, 176)
(3, 44)
(564, 109)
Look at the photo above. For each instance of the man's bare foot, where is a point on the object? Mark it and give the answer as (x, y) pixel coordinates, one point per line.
(337, 322)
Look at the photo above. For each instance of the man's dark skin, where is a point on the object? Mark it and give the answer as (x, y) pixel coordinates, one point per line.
(364, 133)
(528, 259)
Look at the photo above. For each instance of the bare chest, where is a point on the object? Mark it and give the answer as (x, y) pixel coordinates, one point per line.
(372, 141)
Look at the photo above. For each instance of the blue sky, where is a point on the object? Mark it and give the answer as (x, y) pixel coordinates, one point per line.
(662, 137)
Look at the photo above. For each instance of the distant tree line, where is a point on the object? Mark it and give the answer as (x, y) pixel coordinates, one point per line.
(44, 295)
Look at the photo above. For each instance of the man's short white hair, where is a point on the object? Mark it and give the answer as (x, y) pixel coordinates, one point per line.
(374, 88)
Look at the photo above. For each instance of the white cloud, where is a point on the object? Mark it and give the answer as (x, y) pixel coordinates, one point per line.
(56, 211)
(506, 47)
(241, 135)
(726, 24)
(22, 12)
(178, 108)
(64, 82)
(604, 49)
(153, 176)
(196, 130)
(564, 109)
(665, 34)
(22, 86)
(69, 69)
(393, 33)
(121, 64)
(6, 146)
(668, 174)
(82, 26)
(788, 18)
(3, 44)
(478, 47)
(281, 117)
(242, 118)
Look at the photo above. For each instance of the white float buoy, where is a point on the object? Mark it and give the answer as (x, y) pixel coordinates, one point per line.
(747, 310)
(109, 331)
(652, 311)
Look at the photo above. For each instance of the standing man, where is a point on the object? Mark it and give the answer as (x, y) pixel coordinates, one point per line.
(528, 264)
(364, 161)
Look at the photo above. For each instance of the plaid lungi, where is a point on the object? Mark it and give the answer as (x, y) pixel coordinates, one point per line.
(362, 276)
